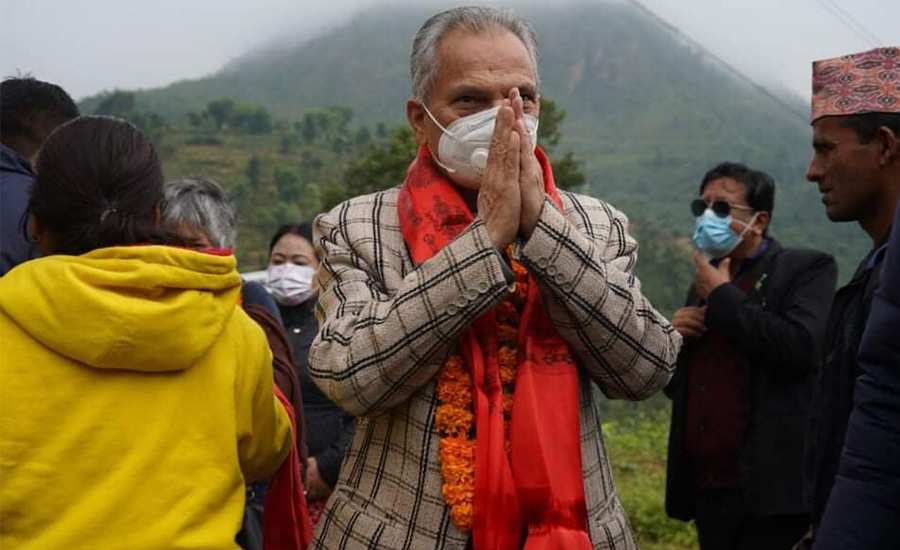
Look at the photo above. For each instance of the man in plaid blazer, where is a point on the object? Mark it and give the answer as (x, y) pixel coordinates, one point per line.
(388, 322)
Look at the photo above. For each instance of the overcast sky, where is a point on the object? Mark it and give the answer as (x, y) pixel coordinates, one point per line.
(92, 45)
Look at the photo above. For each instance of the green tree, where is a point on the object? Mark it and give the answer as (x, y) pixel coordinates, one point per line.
(221, 110)
(117, 103)
(253, 171)
(287, 183)
(258, 121)
(363, 137)
(308, 128)
(382, 166)
(311, 203)
(567, 171)
(550, 124)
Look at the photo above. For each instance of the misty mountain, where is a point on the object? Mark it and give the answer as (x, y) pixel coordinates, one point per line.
(648, 114)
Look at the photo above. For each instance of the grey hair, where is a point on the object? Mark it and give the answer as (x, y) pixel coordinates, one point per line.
(201, 204)
(423, 60)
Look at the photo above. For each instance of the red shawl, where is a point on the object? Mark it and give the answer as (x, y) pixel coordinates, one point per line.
(285, 518)
(540, 486)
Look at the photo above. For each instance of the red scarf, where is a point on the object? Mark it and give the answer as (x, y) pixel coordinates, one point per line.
(540, 485)
(285, 518)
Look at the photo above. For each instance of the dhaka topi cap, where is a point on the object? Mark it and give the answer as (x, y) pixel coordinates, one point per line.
(866, 82)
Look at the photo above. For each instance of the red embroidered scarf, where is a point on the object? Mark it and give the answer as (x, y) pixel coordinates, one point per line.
(539, 488)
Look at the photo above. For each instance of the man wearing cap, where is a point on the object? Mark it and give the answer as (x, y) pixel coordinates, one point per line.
(753, 328)
(856, 165)
(467, 315)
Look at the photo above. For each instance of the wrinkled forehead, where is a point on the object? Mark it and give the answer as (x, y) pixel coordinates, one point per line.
(493, 51)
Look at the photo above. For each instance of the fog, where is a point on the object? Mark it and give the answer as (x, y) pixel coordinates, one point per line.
(88, 45)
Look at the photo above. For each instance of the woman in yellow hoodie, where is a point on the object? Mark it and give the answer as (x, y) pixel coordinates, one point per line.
(135, 396)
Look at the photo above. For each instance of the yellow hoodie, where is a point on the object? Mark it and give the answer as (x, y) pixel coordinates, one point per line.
(135, 401)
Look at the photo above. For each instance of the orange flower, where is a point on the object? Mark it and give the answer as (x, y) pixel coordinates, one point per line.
(519, 270)
(454, 421)
(462, 516)
(507, 403)
(454, 416)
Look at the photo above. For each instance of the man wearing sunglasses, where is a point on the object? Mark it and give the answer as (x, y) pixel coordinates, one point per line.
(753, 325)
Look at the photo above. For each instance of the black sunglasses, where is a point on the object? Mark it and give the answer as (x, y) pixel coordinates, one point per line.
(719, 207)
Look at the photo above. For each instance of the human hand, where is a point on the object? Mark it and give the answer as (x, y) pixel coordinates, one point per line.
(708, 277)
(690, 322)
(531, 176)
(316, 488)
(499, 199)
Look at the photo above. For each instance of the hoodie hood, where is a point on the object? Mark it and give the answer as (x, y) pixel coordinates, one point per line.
(137, 308)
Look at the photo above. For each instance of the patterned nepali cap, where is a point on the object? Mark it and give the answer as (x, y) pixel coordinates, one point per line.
(867, 82)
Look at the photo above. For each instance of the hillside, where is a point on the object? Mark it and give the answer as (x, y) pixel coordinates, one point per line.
(646, 113)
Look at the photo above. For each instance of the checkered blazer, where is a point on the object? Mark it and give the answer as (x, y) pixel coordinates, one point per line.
(387, 326)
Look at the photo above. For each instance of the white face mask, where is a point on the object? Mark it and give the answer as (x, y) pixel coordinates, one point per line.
(463, 148)
(291, 284)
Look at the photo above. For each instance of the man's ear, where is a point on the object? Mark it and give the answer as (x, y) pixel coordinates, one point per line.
(888, 146)
(762, 222)
(415, 114)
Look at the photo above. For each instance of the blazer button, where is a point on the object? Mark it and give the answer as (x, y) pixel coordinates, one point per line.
(452, 309)
(552, 270)
(471, 294)
(462, 302)
(566, 287)
(559, 278)
(483, 287)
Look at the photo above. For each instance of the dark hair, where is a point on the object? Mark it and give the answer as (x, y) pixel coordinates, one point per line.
(866, 125)
(98, 183)
(31, 108)
(302, 229)
(759, 187)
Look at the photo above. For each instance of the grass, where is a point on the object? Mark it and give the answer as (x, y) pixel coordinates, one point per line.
(637, 441)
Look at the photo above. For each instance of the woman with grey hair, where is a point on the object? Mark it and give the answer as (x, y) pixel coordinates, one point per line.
(199, 211)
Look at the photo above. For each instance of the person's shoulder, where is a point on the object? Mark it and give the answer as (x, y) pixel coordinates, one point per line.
(795, 262)
(799, 256)
(368, 219)
(363, 207)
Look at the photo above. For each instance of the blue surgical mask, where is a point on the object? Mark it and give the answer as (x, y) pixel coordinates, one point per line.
(714, 235)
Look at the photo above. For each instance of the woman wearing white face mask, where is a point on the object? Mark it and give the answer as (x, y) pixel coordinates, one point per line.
(291, 280)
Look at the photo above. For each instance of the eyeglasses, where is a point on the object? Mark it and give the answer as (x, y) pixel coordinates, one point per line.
(720, 208)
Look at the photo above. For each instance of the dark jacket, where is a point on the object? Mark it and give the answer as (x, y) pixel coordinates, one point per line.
(329, 428)
(16, 176)
(864, 508)
(779, 323)
(833, 397)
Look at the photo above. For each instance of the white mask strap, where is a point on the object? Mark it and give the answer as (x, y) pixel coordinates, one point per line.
(439, 125)
(747, 226)
(433, 156)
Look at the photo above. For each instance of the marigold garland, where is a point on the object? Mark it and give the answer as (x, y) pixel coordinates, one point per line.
(455, 416)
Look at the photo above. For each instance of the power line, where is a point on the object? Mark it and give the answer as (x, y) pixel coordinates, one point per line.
(728, 66)
(852, 24)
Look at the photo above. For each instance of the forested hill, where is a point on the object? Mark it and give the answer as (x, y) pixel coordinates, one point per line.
(647, 115)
